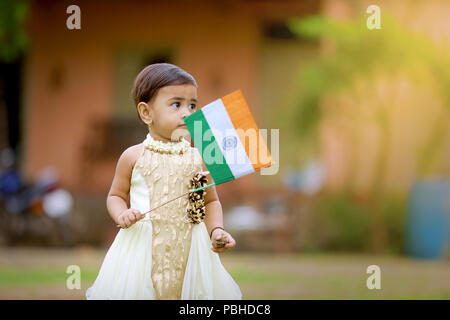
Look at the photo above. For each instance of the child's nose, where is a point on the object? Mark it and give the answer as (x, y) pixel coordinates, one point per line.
(185, 113)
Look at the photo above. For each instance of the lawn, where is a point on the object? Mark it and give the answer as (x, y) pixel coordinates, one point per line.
(31, 273)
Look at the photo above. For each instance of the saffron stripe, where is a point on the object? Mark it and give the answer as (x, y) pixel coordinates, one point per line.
(243, 121)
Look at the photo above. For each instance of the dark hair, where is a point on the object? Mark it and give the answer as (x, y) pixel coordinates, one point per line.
(155, 76)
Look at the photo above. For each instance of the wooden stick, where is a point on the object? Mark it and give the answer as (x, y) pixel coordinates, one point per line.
(194, 190)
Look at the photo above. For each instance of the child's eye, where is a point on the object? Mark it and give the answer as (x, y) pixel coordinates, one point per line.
(193, 106)
(176, 103)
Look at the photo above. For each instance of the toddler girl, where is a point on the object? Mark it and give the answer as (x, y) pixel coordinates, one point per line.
(160, 255)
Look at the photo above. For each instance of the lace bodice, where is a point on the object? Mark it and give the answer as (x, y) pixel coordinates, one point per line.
(157, 178)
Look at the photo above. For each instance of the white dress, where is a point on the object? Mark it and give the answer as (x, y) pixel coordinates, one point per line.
(126, 272)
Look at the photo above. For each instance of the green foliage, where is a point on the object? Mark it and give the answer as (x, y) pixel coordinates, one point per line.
(352, 55)
(349, 223)
(360, 52)
(13, 37)
(394, 209)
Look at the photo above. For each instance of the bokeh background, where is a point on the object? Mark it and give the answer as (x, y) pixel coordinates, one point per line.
(364, 138)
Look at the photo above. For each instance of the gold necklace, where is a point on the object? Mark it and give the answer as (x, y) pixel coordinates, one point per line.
(171, 147)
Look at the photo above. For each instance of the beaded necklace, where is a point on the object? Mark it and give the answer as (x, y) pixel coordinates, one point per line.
(171, 147)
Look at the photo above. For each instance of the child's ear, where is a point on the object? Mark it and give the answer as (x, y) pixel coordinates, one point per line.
(145, 113)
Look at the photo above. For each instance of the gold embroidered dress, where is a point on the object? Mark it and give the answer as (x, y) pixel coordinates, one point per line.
(162, 256)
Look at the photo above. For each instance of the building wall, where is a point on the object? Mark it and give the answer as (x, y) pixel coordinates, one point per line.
(70, 74)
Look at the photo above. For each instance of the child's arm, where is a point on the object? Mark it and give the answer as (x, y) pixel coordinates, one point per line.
(117, 199)
(213, 209)
(214, 218)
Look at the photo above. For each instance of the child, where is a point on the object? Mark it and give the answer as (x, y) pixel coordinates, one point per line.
(159, 255)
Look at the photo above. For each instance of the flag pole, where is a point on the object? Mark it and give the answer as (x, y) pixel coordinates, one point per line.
(190, 191)
(194, 190)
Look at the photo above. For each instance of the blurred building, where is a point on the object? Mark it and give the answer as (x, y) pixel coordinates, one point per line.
(69, 103)
(78, 114)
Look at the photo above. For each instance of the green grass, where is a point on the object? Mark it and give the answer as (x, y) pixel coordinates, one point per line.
(30, 277)
(257, 277)
(30, 274)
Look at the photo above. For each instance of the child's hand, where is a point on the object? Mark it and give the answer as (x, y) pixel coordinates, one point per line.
(219, 234)
(129, 217)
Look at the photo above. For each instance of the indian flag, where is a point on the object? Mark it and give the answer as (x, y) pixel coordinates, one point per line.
(228, 138)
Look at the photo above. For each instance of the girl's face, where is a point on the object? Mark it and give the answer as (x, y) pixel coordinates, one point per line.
(167, 110)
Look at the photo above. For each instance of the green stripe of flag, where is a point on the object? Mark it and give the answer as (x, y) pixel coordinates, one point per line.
(219, 169)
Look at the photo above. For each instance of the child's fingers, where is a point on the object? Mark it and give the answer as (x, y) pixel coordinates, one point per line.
(230, 238)
(123, 225)
(138, 215)
(127, 222)
(231, 243)
(217, 250)
(132, 217)
(219, 235)
(121, 222)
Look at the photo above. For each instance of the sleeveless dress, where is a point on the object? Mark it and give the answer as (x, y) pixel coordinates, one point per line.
(161, 256)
